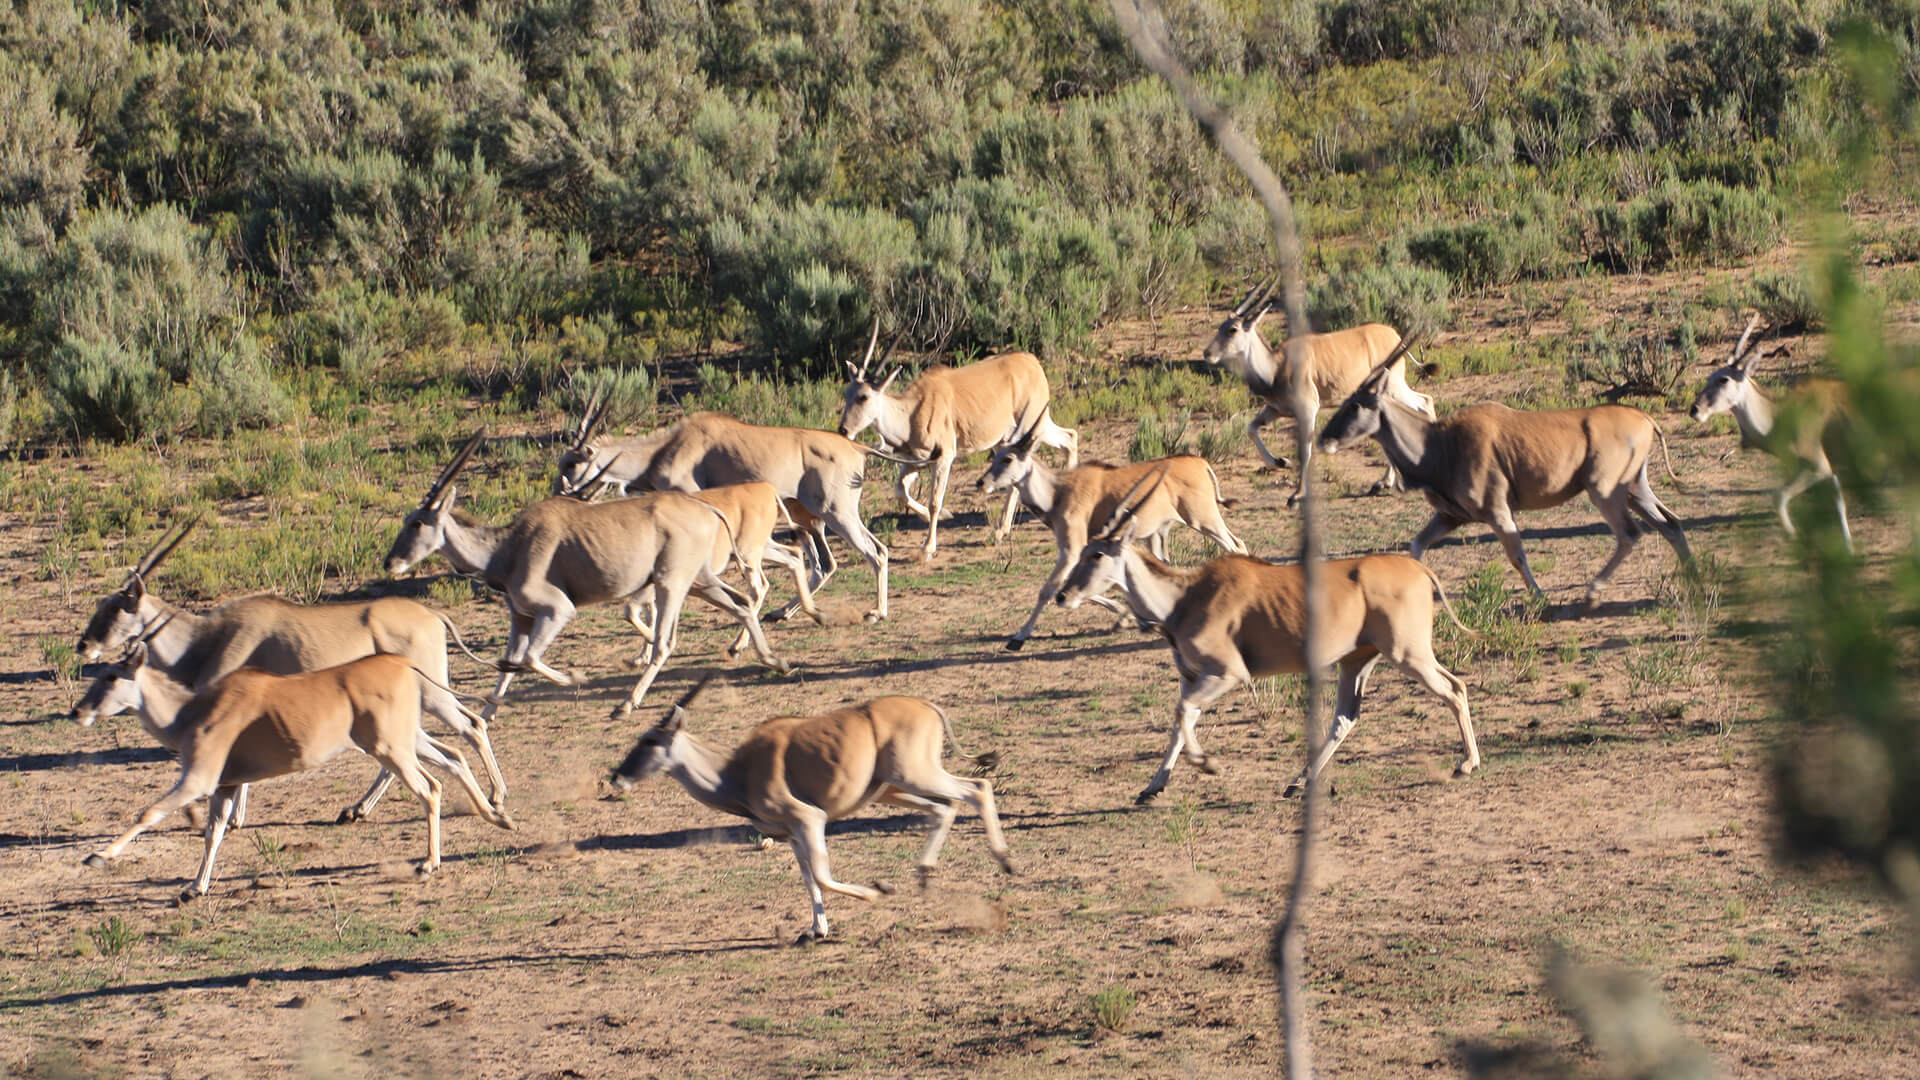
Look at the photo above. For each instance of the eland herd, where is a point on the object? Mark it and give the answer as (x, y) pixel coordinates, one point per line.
(261, 687)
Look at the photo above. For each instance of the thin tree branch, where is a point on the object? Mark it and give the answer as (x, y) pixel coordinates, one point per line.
(1143, 24)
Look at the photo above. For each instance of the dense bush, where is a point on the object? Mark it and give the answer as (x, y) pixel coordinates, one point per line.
(1411, 299)
(1680, 223)
(1786, 300)
(135, 316)
(42, 164)
(1496, 251)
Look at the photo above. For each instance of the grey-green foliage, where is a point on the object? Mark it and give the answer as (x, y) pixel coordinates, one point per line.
(356, 328)
(624, 395)
(446, 225)
(1411, 299)
(1687, 223)
(42, 163)
(809, 274)
(1786, 300)
(1497, 250)
(140, 329)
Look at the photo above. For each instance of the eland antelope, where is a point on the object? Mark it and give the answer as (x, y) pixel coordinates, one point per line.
(253, 725)
(752, 511)
(948, 412)
(560, 555)
(285, 638)
(1237, 619)
(1337, 363)
(794, 774)
(819, 474)
(1486, 462)
(1073, 502)
(1731, 389)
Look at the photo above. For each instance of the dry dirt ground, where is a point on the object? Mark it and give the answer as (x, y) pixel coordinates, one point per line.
(1621, 811)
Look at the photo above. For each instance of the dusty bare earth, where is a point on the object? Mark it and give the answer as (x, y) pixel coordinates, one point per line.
(1621, 811)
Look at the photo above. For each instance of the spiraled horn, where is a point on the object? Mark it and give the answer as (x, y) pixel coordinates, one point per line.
(587, 414)
(1740, 350)
(161, 549)
(1128, 506)
(147, 635)
(1400, 350)
(1265, 292)
(872, 340)
(686, 702)
(586, 485)
(453, 468)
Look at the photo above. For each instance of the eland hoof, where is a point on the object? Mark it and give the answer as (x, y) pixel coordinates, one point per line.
(1293, 790)
(1014, 644)
(621, 711)
(1462, 770)
(884, 888)
(1206, 765)
(95, 860)
(425, 871)
(875, 615)
(187, 896)
(1006, 866)
(926, 876)
(810, 937)
(350, 815)
(1146, 796)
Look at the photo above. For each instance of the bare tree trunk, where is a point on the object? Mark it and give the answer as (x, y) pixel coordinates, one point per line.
(1142, 22)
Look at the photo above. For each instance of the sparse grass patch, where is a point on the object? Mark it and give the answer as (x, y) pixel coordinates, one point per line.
(113, 937)
(1113, 1006)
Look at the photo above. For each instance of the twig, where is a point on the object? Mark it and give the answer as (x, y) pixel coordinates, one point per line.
(1143, 24)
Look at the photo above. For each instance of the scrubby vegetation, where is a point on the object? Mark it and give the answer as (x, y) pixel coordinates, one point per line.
(228, 195)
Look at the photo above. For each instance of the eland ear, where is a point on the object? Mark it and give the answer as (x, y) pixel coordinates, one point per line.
(891, 375)
(851, 370)
(137, 588)
(136, 657)
(446, 499)
(1128, 531)
(675, 721)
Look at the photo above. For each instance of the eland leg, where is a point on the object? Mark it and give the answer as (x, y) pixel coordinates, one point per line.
(1196, 693)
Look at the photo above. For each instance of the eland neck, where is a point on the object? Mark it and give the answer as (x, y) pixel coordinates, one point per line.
(1256, 364)
(169, 646)
(473, 548)
(703, 771)
(1039, 488)
(1754, 414)
(1403, 436)
(161, 699)
(1152, 587)
(893, 416)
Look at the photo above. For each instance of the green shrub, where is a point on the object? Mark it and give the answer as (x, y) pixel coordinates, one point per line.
(1648, 364)
(1785, 299)
(41, 162)
(1681, 223)
(1412, 299)
(809, 275)
(1113, 1006)
(357, 329)
(1154, 438)
(1494, 252)
(135, 314)
(626, 395)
